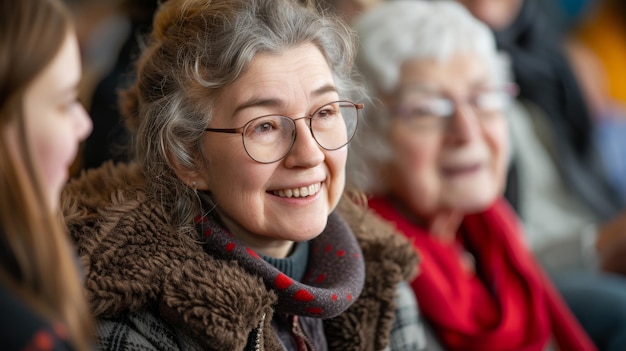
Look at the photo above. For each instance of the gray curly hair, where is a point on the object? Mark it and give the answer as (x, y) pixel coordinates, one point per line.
(198, 47)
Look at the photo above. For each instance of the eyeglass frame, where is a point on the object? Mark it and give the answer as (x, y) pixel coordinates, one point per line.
(240, 130)
(511, 89)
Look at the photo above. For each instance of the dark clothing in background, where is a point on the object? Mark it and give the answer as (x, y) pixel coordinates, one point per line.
(24, 330)
(110, 139)
(21, 328)
(546, 79)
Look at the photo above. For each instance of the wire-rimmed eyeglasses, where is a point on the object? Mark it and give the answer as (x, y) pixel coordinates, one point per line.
(421, 108)
(268, 139)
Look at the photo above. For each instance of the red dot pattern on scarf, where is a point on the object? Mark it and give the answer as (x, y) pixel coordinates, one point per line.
(288, 289)
(252, 253)
(43, 341)
(314, 310)
(282, 282)
(230, 247)
(303, 295)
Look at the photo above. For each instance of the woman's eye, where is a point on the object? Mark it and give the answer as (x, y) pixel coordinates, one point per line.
(424, 109)
(325, 112)
(420, 110)
(263, 127)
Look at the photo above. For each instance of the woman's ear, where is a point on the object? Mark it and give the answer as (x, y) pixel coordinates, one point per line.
(193, 177)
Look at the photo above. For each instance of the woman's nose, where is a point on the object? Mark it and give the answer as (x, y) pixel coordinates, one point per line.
(305, 152)
(463, 124)
(84, 125)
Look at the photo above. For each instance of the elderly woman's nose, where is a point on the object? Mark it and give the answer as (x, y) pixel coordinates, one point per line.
(305, 151)
(464, 124)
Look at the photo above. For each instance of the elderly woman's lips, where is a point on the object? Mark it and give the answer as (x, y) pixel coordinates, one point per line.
(457, 171)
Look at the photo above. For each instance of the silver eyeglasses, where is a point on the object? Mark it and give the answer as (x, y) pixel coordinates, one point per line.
(268, 139)
(424, 109)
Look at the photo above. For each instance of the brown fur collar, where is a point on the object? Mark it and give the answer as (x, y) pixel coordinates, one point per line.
(133, 261)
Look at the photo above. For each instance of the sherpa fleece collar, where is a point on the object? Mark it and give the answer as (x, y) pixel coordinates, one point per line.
(134, 261)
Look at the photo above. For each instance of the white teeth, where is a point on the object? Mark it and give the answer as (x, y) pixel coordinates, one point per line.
(299, 192)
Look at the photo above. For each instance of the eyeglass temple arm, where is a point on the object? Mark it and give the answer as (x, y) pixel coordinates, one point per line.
(225, 130)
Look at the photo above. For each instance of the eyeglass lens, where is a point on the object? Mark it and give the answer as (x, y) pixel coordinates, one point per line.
(429, 109)
(267, 139)
(419, 104)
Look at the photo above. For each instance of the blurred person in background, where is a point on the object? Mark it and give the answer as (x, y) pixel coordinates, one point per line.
(110, 140)
(573, 217)
(101, 27)
(602, 29)
(597, 49)
(563, 196)
(434, 155)
(41, 124)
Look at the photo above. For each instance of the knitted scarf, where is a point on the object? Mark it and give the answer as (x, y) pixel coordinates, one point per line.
(509, 304)
(334, 275)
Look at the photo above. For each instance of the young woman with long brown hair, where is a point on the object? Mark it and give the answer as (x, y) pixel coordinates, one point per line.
(41, 125)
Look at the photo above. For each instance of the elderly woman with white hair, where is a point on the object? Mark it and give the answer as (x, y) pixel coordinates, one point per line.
(434, 156)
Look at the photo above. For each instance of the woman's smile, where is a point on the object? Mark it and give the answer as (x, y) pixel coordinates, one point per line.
(461, 170)
(304, 191)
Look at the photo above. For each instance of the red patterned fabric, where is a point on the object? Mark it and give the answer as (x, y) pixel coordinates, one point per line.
(23, 329)
(509, 304)
(324, 292)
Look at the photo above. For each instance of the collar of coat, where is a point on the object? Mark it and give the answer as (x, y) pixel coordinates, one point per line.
(133, 260)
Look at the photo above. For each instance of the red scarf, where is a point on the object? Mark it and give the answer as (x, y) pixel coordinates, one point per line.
(512, 306)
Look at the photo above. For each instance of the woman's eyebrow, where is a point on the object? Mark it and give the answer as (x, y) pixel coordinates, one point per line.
(275, 102)
(258, 102)
(327, 88)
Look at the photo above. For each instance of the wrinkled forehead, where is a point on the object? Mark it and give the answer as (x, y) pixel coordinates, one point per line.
(462, 71)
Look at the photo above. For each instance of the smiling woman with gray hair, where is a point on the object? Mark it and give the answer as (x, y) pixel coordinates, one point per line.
(434, 156)
(229, 230)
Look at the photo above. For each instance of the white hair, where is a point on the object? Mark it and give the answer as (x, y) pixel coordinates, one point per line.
(396, 31)
(393, 33)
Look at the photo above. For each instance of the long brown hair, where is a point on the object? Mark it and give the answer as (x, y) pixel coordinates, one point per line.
(37, 263)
